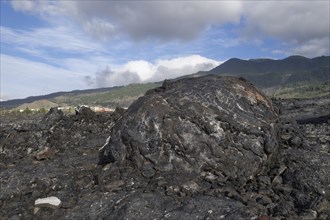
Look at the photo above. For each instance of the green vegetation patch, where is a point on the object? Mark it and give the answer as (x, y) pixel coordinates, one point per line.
(303, 90)
(122, 96)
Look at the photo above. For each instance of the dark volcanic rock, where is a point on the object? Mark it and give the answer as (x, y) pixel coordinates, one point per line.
(219, 125)
(56, 155)
(305, 154)
(157, 206)
(208, 148)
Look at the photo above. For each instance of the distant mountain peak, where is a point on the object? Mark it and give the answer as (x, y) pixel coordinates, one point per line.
(268, 72)
(294, 57)
(234, 59)
(260, 60)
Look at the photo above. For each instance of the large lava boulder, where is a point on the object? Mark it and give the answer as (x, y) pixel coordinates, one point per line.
(222, 126)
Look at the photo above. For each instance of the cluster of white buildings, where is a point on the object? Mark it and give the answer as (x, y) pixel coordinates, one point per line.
(69, 108)
(101, 109)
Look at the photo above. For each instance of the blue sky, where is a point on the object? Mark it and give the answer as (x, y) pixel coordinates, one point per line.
(50, 46)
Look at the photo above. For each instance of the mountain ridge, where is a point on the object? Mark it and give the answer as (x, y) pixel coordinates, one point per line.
(290, 64)
(265, 73)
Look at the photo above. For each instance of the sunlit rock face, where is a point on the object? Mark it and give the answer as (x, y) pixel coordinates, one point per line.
(217, 126)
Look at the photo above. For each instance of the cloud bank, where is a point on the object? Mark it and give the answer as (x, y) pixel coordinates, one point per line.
(59, 39)
(303, 26)
(20, 77)
(143, 71)
(164, 20)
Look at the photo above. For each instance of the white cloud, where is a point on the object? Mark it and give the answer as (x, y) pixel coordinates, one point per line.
(99, 28)
(297, 23)
(144, 71)
(23, 5)
(298, 20)
(312, 48)
(142, 68)
(39, 40)
(21, 78)
(173, 68)
(3, 96)
(142, 19)
(41, 7)
(303, 25)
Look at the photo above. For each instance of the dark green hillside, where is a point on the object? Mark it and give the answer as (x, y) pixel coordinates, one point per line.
(107, 97)
(121, 96)
(303, 91)
(268, 73)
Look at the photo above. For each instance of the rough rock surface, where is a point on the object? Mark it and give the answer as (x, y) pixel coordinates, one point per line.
(49, 155)
(304, 187)
(57, 156)
(215, 126)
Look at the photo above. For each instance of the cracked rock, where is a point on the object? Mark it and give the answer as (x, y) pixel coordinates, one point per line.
(219, 124)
